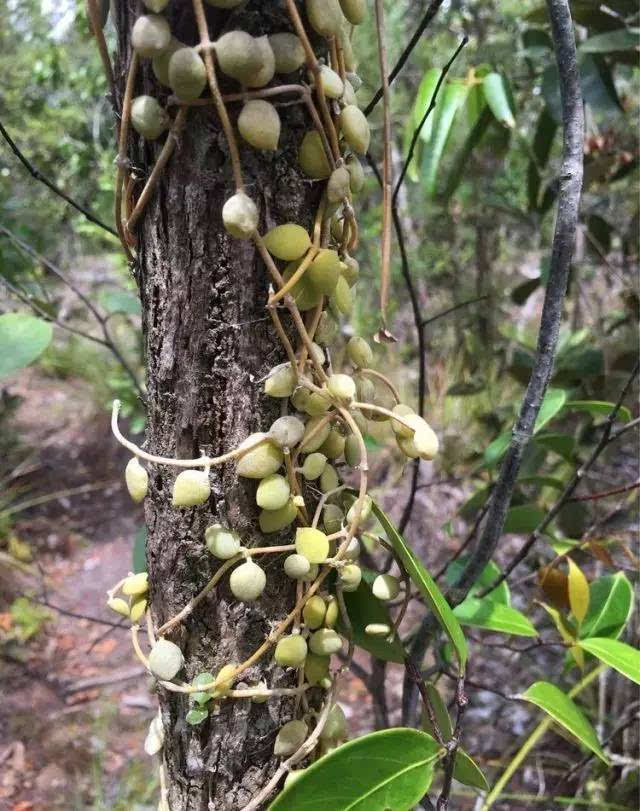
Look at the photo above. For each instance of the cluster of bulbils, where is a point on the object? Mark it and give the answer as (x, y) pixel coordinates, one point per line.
(316, 439)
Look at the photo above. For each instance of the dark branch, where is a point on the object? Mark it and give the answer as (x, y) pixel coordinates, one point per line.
(562, 251)
(37, 174)
(430, 13)
(607, 493)
(462, 304)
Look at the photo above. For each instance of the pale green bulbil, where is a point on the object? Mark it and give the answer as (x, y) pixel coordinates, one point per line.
(360, 420)
(118, 605)
(327, 329)
(288, 242)
(335, 728)
(332, 518)
(377, 629)
(323, 273)
(275, 520)
(148, 118)
(136, 584)
(291, 651)
(150, 35)
(259, 124)
(187, 74)
(267, 63)
(352, 452)
(317, 353)
(273, 492)
(260, 461)
(290, 738)
(338, 186)
(313, 466)
(424, 439)
(240, 216)
(299, 398)
(312, 157)
(239, 57)
(312, 544)
(355, 128)
(313, 612)
(160, 62)
(365, 389)
(399, 429)
(354, 10)
(247, 581)
(317, 404)
(165, 660)
(191, 488)
(329, 479)
(359, 352)
(312, 574)
(296, 566)
(325, 642)
(224, 680)
(325, 17)
(349, 95)
(287, 431)
(136, 479)
(288, 52)
(341, 301)
(333, 612)
(304, 295)
(221, 542)
(331, 83)
(316, 668)
(313, 435)
(138, 608)
(342, 387)
(407, 447)
(350, 269)
(353, 550)
(333, 446)
(356, 172)
(156, 5)
(386, 587)
(365, 512)
(350, 576)
(281, 381)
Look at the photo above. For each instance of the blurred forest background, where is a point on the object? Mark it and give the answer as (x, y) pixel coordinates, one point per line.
(477, 216)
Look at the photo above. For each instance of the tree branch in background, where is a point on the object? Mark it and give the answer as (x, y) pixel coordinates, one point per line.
(37, 174)
(430, 13)
(562, 250)
(606, 439)
(462, 304)
(108, 341)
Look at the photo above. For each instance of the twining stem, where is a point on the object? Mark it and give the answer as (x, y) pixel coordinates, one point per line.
(384, 379)
(94, 19)
(122, 150)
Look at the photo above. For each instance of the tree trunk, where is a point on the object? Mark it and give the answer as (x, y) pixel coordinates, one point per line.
(209, 342)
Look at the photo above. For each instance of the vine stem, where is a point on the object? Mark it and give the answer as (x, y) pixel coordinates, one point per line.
(122, 150)
(384, 379)
(94, 19)
(205, 42)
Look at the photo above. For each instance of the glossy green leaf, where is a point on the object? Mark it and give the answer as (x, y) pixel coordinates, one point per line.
(543, 138)
(489, 575)
(496, 93)
(23, 338)
(598, 87)
(610, 606)
(563, 626)
(452, 97)
(553, 402)
(420, 106)
(363, 608)
(562, 444)
(467, 772)
(598, 408)
(388, 769)
(480, 115)
(119, 301)
(616, 654)
(565, 712)
(426, 586)
(440, 712)
(497, 449)
(523, 518)
(493, 616)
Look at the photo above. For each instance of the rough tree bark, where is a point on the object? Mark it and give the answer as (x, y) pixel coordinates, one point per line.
(209, 341)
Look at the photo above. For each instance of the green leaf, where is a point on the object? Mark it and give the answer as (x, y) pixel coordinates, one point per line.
(426, 586)
(451, 99)
(493, 616)
(610, 606)
(23, 338)
(598, 88)
(624, 39)
(496, 92)
(598, 408)
(421, 105)
(616, 654)
(523, 518)
(474, 502)
(363, 608)
(543, 138)
(578, 591)
(388, 769)
(497, 449)
(196, 716)
(522, 292)
(565, 712)
(562, 444)
(489, 575)
(467, 772)
(480, 125)
(119, 301)
(563, 626)
(553, 402)
(440, 712)
(542, 481)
